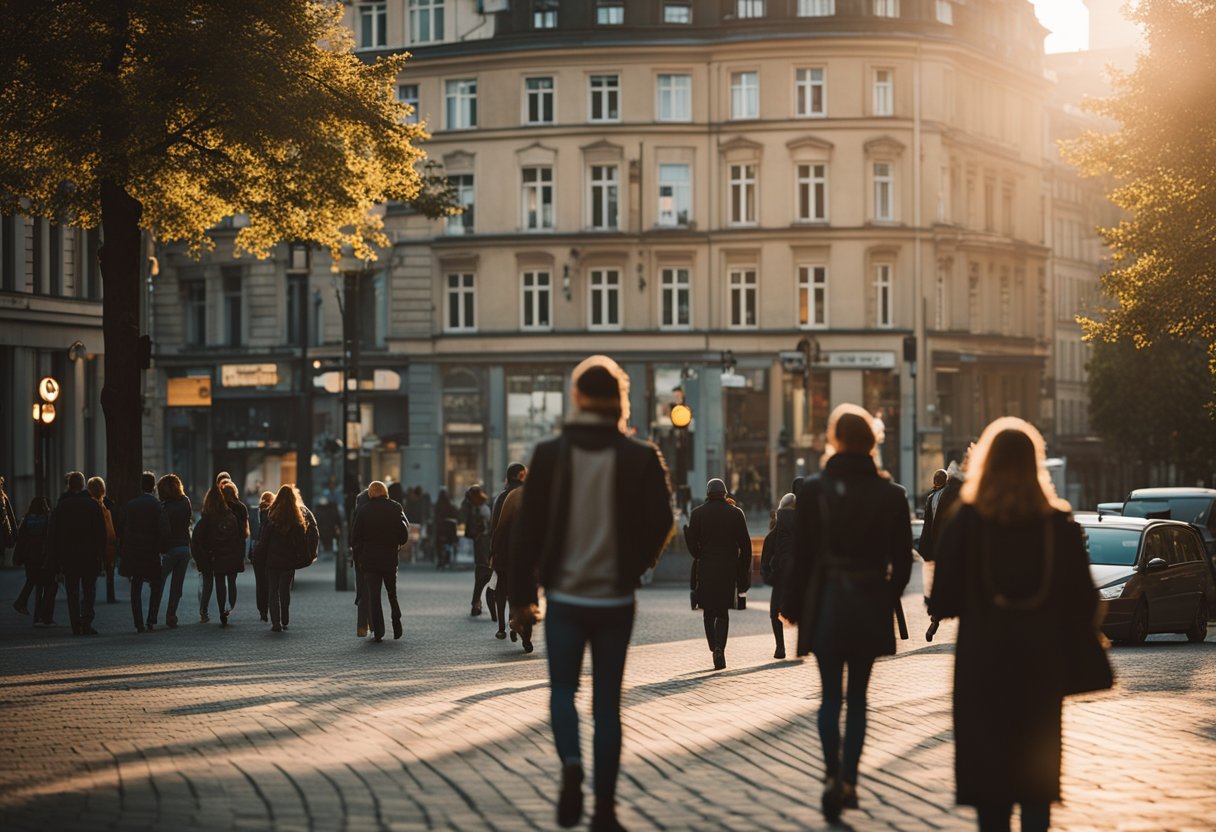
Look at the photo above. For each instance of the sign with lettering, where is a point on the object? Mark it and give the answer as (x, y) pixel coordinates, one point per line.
(857, 360)
(249, 375)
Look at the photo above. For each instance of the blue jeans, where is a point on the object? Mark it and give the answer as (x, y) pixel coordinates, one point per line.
(174, 563)
(568, 629)
(831, 675)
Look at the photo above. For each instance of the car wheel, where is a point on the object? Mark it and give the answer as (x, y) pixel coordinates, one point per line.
(1198, 631)
(1137, 632)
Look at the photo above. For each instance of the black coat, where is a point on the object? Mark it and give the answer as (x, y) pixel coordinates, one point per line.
(777, 553)
(180, 513)
(143, 534)
(77, 536)
(31, 550)
(1006, 668)
(643, 509)
(380, 528)
(721, 547)
(843, 598)
(328, 521)
(284, 549)
(937, 516)
(218, 553)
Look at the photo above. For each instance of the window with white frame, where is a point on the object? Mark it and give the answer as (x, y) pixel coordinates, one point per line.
(884, 92)
(813, 192)
(408, 94)
(426, 21)
(677, 299)
(675, 194)
(886, 8)
(194, 293)
(462, 103)
(462, 185)
(884, 312)
(677, 13)
(816, 8)
(537, 301)
(749, 8)
(745, 95)
(743, 194)
(743, 289)
(810, 92)
(605, 93)
(373, 25)
(610, 13)
(813, 296)
(674, 97)
(538, 198)
(605, 185)
(539, 95)
(884, 186)
(945, 12)
(462, 303)
(544, 14)
(604, 295)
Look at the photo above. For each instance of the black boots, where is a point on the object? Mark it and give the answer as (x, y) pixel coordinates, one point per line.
(570, 801)
(721, 629)
(779, 637)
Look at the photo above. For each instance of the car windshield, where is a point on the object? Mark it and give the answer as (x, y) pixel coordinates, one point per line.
(1186, 509)
(1112, 547)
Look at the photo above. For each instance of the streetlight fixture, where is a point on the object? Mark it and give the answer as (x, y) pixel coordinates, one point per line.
(44, 414)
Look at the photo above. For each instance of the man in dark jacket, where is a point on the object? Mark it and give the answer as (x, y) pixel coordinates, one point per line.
(596, 514)
(380, 528)
(721, 547)
(143, 537)
(939, 509)
(496, 598)
(329, 524)
(77, 546)
(362, 611)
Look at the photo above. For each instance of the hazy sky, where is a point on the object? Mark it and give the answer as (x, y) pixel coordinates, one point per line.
(1068, 21)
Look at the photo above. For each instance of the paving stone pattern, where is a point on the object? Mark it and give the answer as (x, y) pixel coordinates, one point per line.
(239, 728)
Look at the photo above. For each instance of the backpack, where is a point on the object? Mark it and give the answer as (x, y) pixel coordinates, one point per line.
(227, 534)
(306, 550)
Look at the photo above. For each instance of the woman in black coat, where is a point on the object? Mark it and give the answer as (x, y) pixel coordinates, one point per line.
(1012, 565)
(852, 556)
(218, 545)
(288, 541)
(30, 552)
(721, 548)
(774, 563)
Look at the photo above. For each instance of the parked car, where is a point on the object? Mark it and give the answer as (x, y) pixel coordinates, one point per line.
(1152, 574)
(1196, 506)
(1110, 508)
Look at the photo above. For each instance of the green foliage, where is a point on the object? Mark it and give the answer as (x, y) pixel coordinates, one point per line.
(202, 109)
(1162, 160)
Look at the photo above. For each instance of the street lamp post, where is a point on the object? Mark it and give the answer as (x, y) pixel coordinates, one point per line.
(348, 302)
(44, 416)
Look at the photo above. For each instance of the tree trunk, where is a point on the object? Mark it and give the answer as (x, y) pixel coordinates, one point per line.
(121, 397)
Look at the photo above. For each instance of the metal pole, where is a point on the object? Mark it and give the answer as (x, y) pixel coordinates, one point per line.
(350, 414)
(39, 474)
(304, 441)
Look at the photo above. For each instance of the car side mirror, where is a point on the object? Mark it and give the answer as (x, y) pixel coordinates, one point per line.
(1156, 564)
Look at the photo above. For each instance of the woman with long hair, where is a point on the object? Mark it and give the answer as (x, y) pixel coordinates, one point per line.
(177, 555)
(851, 559)
(288, 536)
(30, 552)
(218, 545)
(261, 592)
(96, 487)
(1012, 566)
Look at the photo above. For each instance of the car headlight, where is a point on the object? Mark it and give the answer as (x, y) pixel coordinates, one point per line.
(1108, 593)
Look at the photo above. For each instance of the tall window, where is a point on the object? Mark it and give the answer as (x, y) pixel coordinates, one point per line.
(939, 299)
(883, 311)
(743, 298)
(36, 259)
(8, 252)
(813, 193)
(194, 292)
(884, 92)
(749, 8)
(945, 12)
(609, 13)
(884, 208)
(677, 294)
(810, 92)
(745, 95)
(462, 103)
(742, 194)
(462, 223)
(462, 303)
(605, 97)
(426, 21)
(816, 8)
(1006, 302)
(813, 296)
(297, 302)
(539, 93)
(886, 8)
(234, 304)
(373, 25)
(675, 98)
(537, 296)
(677, 13)
(55, 259)
(538, 198)
(408, 94)
(544, 14)
(605, 299)
(604, 194)
(675, 195)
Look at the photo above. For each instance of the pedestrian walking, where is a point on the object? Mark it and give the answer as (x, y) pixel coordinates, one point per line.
(8, 524)
(721, 549)
(261, 591)
(496, 597)
(206, 579)
(145, 537)
(218, 546)
(445, 529)
(329, 524)
(852, 556)
(30, 551)
(596, 514)
(363, 616)
(1013, 567)
(944, 506)
(380, 528)
(176, 561)
(502, 542)
(77, 540)
(774, 564)
(476, 516)
(288, 542)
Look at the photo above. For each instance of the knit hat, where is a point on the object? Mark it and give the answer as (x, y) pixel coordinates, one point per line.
(715, 486)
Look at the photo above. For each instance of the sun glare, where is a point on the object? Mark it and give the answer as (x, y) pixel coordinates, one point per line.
(1068, 21)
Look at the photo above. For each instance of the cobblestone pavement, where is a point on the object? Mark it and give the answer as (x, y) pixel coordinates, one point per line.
(241, 728)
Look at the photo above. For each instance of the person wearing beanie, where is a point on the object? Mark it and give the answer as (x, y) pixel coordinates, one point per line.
(596, 514)
(721, 548)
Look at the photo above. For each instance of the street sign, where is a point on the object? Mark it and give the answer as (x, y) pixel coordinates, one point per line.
(194, 391)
